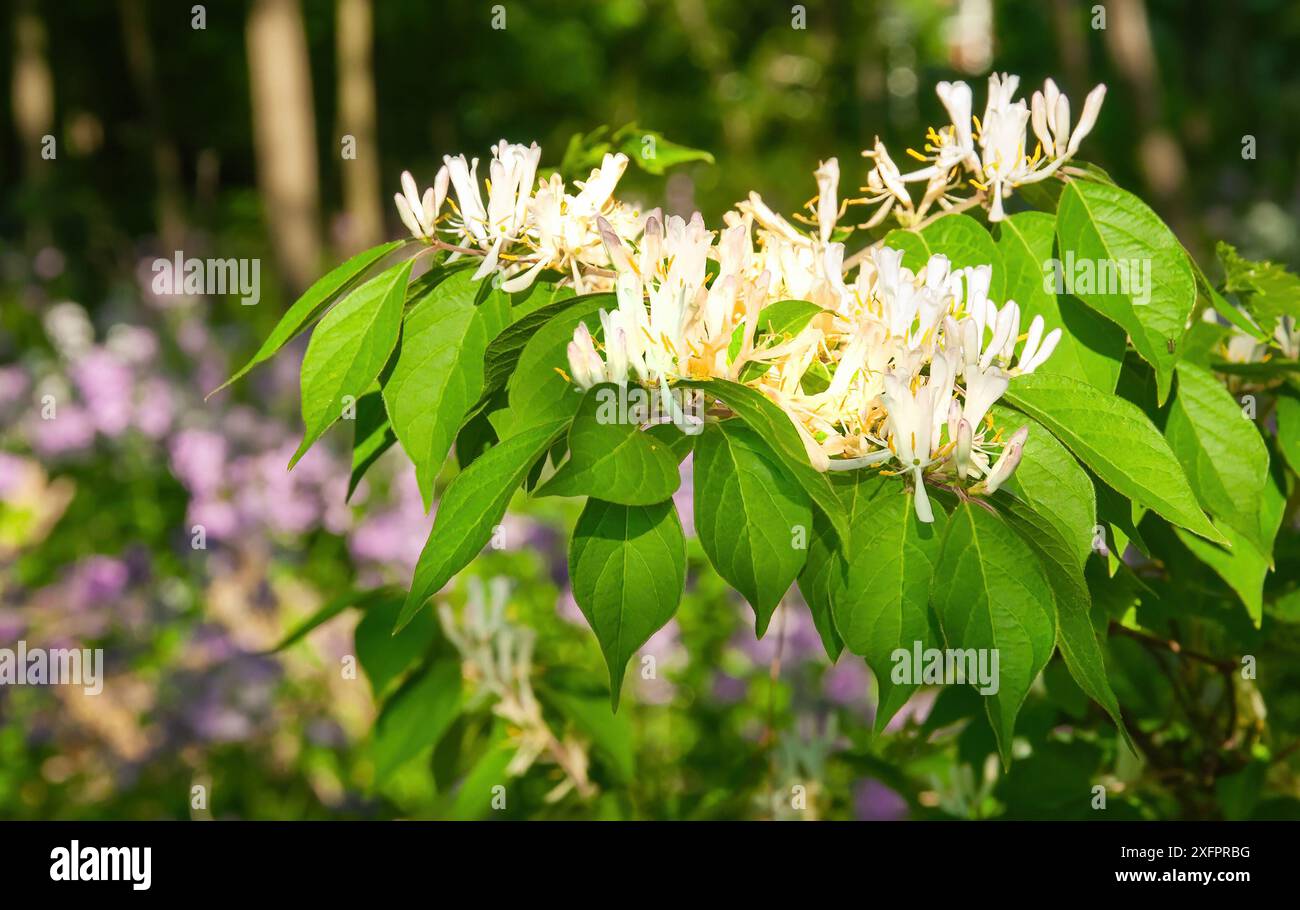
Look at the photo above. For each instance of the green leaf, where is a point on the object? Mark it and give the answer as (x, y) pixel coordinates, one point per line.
(372, 436)
(1052, 482)
(778, 431)
(471, 506)
(1246, 566)
(539, 390)
(610, 734)
(647, 149)
(360, 599)
(815, 581)
(609, 457)
(474, 797)
(385, 657)
(503, 353)
(1288, 426)
(966, 243)
(882, 592)
(1097, 225)
(916, 252)
(438, 375)
(1091, 348)
(1117, 441)
(1075, 634)
(310, 305)
(1220, 448)
(348, 349)
(627, 565)
(990, 592)
(749, 515)
(416, 717)
(1267, 290)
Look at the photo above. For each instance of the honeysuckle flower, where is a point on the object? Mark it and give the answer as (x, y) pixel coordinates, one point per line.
(828, 181)
(1007, 461)
(420, 213)
(910, 422)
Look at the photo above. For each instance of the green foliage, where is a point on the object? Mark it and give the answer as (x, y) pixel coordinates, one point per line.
(628, 569)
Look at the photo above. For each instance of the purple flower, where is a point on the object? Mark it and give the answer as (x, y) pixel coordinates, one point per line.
(71, 429)
(155, 408)
(727, 689)
(106, 386)
(791, 629)
(684, 498)
(198, 459)
(14, 385)
(848, 682)
(97, 580)
(873, 801)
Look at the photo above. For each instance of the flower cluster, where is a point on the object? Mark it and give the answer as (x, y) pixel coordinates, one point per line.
(900, 367)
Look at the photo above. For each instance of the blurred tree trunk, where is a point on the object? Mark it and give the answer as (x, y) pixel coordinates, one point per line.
(166, 159)
(33, 107)
(284, 135)
(364, 226)
(1160, 158)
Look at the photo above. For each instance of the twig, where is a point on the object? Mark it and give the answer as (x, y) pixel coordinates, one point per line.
(1174, 647)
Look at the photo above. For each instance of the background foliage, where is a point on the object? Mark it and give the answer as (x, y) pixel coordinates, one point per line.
(158, 150)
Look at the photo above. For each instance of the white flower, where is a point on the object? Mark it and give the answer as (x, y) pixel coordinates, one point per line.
(420, 214)
(828, 181)
(910, 421)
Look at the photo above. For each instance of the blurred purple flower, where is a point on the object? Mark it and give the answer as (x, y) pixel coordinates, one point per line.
(198, 459)
(106, 386)
(155, 408)
(727, 689)
(792, 621)
(14, 385)
(873, 801)
(848, 682)
(684, 498)
(71, 429)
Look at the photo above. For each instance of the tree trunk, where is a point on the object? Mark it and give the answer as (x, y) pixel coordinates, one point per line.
(284, 136)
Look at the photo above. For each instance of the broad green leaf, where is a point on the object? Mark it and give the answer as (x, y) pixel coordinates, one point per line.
(1075, 633)
(471, 506)
(1101, 227)
(474, 797)
(815, 581)
(372, 436)
(348, 349)
(627, 566)
(307, 307)
(966, 243)
(647, 149)
(438, 375)
(1248, 563)
(880, 596)
(916, 252)
(610, 458)
(1117, 441)
(1091, 348)
(751, 516)
(778, 431)
(679, 443)
(503, 353)
(385, 657)
(539, 389)
(1052, 482)
(991, 594)
(416, 716)
(1220, 448)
